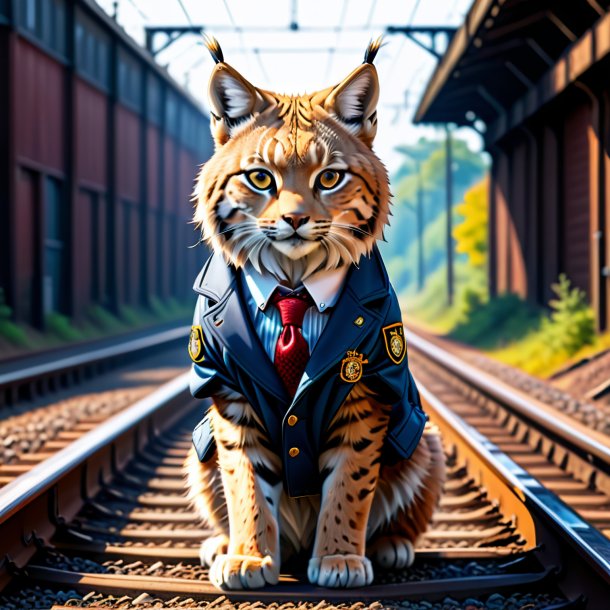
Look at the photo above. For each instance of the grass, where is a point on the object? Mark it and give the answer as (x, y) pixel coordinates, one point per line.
(97, 323)
(537, 340)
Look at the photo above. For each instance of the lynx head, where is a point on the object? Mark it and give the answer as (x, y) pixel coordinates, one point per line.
(293, 185)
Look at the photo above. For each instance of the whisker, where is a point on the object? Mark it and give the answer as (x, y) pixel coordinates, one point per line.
(352, 228)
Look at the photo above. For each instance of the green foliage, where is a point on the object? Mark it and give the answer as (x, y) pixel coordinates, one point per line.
(571, 324)
(497, 322)
(159, 308)
(132, 316)
(8, 329)
(104, 320)
(169, 309)
(62, 328)
(471, 233)
(424, 165)
(430, 306)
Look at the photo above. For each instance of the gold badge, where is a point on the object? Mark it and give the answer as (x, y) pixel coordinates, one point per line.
(395, 343)
(351, 367)
(196, 344)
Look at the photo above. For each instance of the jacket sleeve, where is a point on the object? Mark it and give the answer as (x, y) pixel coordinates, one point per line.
(391, 381)
(209, 373)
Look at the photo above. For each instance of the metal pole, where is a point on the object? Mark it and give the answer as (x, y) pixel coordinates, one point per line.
(449, 203)
(420, 230)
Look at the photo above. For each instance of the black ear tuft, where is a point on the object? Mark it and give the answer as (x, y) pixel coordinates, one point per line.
(213, 47)
(372, 49)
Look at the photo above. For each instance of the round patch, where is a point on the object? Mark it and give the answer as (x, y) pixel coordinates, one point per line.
(396, 345)
(196, 344)
(352, 367)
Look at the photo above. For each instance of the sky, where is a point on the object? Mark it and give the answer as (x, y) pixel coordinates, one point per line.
(256, 40)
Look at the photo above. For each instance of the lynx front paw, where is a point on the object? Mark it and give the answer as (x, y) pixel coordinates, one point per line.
(392, 552)
(211, 548)
(243, 572)
(338, 571)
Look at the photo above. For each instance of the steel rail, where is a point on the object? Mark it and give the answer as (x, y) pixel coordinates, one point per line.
(13, 382)
(555, 523)
(41, 477)
(572, 434)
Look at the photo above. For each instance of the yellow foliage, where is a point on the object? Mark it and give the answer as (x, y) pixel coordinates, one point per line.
(471, 233)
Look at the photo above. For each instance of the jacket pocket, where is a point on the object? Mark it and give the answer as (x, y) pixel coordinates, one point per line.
(203, 440)
(403, 438)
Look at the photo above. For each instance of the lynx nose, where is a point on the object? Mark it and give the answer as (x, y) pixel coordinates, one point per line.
(295, 220)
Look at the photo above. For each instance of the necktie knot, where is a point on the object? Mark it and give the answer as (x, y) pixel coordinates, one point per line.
(292, 308)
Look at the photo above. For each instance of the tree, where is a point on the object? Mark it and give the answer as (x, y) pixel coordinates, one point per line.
(471, 234)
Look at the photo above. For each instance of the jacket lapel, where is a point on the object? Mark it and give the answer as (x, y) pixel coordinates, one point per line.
(364, 284)
(230, 322)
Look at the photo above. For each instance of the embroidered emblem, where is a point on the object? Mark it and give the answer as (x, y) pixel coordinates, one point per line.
(196, 344)
(395, 343)
(351, 367)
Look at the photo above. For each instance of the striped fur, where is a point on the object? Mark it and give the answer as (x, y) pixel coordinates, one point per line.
(367, 512)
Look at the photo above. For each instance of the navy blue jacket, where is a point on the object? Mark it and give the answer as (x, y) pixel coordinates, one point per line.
(366, 322)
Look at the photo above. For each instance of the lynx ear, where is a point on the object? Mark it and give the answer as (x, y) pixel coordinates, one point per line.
(354, 101)
(232, 97)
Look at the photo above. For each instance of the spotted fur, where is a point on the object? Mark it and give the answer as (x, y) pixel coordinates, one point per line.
(367, 512)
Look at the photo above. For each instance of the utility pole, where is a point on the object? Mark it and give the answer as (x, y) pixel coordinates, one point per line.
(419, 212)
(449, 204)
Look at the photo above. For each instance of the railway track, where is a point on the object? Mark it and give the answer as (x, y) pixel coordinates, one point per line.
(36, 377)
(564, 455)
(104, 523)
(31, 432)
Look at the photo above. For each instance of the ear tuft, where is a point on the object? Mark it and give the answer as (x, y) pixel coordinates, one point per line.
(213, 46)
(372, 50)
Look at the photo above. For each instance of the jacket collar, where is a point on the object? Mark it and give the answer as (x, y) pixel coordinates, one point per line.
(368, 279)
(324, 287)
(364, 284)
(230, 322)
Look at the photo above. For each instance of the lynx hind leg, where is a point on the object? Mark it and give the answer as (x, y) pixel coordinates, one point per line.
(407, 494)
(206, 495)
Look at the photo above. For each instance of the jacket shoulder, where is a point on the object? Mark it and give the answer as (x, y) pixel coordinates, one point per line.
(215, 278)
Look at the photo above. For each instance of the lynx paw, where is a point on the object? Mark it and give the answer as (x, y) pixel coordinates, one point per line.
(338, 571)
(392, 552)
(243, 572)
(211, 547)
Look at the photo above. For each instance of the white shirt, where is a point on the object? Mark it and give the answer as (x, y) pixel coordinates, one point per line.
(324, 288)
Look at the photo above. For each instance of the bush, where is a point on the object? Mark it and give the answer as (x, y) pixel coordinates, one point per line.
(571, 324)
(501, 320)
(130, 316)
(159, 308)
(8, 329)
(103, 319)
(61, 327)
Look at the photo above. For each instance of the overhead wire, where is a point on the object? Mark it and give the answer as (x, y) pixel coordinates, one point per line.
(369, 18)
(140, 12)
(186, 13)
(331, 54)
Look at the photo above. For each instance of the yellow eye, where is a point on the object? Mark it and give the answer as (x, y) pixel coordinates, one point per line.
(260, 179)
(329, 178)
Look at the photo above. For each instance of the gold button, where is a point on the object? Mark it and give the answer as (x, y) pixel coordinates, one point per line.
(359, 321)
(292, 420)
(293, 451)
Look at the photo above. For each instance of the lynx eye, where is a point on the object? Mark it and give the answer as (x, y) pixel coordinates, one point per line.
(260, 179)
(329, 179)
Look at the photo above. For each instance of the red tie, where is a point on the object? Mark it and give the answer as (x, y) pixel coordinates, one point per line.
(291, 350)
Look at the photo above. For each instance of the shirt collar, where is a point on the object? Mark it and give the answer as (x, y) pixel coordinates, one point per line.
(323, 286)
